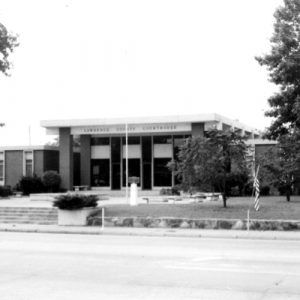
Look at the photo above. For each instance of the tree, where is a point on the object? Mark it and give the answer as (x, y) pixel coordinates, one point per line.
(279, 164)
(8, 42)
(211, 162)
(283, 64)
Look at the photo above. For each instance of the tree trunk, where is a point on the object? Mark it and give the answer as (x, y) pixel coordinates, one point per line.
(224, 200)
(224, 192)
(288, 195)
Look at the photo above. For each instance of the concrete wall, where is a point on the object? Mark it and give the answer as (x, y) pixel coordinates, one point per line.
(66, 158)
(85, 160)
(13, 167)
(197, 129)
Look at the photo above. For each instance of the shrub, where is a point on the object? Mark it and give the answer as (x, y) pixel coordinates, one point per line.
(5, 191)
(75, 201)
(234, 191)
(265, 190)
(51, 181)
(30, 185)
(170, 192)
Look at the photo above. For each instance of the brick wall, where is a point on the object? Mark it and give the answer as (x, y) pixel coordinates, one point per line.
(13, 167)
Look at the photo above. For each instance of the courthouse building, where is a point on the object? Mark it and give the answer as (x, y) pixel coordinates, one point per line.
(152, 143)
(18, 161)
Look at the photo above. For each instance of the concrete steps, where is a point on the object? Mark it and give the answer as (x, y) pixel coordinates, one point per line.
(28, 215)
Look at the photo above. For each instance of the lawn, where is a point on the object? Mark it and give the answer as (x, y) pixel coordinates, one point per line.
(272, 208)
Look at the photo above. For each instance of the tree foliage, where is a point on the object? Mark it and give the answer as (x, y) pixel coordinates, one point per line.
(8, 42)
(283, 64)
(279, 165)
(211, 162)
(51, 181)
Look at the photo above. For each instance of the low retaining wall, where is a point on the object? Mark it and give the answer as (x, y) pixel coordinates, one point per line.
(197, 224)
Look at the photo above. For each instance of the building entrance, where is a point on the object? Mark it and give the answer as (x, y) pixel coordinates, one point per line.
(134, 169)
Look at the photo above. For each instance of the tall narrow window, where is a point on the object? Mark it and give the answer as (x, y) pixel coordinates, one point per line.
(162, 153)
(1, 167)
(28, 163)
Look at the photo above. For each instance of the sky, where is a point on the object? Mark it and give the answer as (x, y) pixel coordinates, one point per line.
(101, 59)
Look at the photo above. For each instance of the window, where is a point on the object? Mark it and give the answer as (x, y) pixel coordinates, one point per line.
(100, 141)
(162, 175)
(162, 139)
(100, 172)
(1, 170)
(28, 167)
(132, 140)
(28, 163)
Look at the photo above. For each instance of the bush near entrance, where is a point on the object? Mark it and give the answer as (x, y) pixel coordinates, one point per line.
(51, 181)
(75, 201)
(5, 191)
(30, 185)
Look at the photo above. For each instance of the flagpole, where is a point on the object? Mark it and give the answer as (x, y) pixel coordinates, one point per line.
(257, 192)
(126, 159)
(255, 174)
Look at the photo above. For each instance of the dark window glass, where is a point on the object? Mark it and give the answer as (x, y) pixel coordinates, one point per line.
(100, 172)
(99, 141)
(162, 139)
(116, 163)
(116, 149)
(132, 140)
(134, 169)
(147, 179)
(162, 175)
(146, 149)
(1, 170)
(116, 173)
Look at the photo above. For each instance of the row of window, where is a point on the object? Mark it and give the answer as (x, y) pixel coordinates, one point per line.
(136, 140)
(162, 176)
(107, 172)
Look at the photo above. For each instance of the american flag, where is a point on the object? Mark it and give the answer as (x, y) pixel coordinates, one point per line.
(256, 190)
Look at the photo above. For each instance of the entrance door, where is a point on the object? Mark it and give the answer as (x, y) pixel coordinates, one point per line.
(134, 169)
(100, 172)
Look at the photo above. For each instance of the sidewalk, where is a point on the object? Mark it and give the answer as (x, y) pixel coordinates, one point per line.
(159, 232)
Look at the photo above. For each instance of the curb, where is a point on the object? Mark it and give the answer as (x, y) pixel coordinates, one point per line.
(181, 233)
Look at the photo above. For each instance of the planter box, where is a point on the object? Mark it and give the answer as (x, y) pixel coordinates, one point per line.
(76, 217)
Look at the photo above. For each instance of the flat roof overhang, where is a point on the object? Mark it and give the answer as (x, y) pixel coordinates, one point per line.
(53, 126)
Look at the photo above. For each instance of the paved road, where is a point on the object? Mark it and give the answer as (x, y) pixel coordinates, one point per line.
(61, 266)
